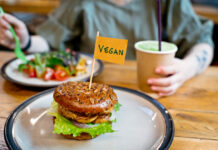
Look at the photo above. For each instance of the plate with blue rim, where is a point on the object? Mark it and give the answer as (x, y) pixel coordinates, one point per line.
(142, 123)
(10, 72)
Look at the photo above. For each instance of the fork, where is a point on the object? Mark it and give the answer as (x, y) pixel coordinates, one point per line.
(18, 52)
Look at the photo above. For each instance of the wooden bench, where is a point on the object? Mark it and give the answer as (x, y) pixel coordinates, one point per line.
(30, 6)
(207, 12)
(46, 6)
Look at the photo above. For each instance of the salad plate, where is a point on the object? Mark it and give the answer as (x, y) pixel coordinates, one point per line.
(11, 73)
(141, 123)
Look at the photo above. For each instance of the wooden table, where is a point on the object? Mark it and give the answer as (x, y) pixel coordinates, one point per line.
(194, 107)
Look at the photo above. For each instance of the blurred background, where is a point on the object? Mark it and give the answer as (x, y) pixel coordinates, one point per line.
(34, 12)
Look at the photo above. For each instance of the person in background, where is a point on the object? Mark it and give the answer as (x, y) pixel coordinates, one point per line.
(74, 25)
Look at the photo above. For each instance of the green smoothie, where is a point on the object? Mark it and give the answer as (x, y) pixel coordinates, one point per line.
(153, 46)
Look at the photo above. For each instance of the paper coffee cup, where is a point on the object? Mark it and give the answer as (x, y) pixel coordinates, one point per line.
(149, 58)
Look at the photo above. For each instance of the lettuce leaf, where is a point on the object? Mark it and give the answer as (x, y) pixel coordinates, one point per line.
(22, 66)
(64, 126)
(117, 107)
(52, 61)
(53, 109)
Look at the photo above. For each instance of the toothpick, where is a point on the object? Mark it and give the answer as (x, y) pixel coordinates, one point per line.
(93, 64)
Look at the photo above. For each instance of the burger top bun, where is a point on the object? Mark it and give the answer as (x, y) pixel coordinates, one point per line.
(77, 97)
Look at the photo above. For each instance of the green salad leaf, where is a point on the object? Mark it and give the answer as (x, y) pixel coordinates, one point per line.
(21, 67)
(52, 61)
(64, 126)
(117, 106)
(40, 70)
(38, 59)
(39, 65)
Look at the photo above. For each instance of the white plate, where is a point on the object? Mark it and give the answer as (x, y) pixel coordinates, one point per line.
(10, 72)
(142, 124)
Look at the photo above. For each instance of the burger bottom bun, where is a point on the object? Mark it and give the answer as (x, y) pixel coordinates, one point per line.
(83, 136)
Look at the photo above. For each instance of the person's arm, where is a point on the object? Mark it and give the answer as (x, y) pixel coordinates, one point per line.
(38, 44)
(193, 36)
(200, 57)
(195, 62)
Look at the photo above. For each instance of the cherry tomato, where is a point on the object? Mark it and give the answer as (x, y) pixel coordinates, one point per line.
(30, 71)
(49, 74)
(61, 75)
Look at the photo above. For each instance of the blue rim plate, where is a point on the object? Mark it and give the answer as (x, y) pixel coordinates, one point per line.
(127, 97)
(9, 72)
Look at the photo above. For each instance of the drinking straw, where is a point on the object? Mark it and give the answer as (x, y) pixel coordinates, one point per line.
(159, 23)
(18, 52)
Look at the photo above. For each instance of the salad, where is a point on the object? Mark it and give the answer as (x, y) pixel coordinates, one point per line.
(58, 66)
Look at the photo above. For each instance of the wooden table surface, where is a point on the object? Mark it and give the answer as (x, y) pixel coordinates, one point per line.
(194, 107)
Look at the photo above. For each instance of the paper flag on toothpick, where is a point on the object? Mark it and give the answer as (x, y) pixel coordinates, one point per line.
(110, 49)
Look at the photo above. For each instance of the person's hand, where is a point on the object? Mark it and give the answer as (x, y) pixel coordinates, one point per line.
(173, 77)
(6, 38)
